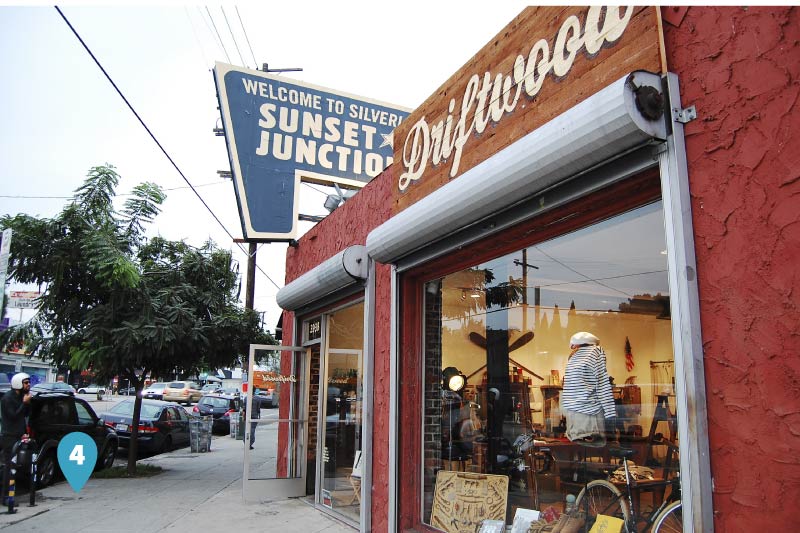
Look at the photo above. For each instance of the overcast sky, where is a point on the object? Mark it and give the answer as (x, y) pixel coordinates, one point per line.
(60, 116)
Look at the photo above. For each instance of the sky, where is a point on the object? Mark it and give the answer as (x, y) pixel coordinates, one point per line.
(61, 116)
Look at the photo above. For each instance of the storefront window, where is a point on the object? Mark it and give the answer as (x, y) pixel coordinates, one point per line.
(498, 345)
(342, 408)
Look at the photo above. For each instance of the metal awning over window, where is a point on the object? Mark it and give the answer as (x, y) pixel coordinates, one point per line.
(344, 270)
(604, 126)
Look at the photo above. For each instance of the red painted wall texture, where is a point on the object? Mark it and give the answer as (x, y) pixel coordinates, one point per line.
(347, 226)
(741, 68)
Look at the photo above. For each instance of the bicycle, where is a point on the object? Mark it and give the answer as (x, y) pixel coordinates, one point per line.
(603, 497)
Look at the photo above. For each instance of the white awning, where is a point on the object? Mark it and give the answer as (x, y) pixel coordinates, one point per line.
(601, 127)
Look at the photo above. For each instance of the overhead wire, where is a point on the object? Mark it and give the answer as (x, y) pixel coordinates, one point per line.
(27, 197)
(196, 37)
(246, 38)
(225, 50)
(152, 136)
(235, 44)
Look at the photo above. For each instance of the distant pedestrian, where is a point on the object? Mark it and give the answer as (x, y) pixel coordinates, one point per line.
(256, 414)
(14, 410)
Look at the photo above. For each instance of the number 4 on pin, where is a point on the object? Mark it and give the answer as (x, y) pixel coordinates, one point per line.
(77, 455)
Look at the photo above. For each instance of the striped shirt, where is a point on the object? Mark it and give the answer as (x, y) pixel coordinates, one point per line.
(587, 389)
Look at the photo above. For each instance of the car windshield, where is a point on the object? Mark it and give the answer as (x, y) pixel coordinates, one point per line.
(215, 402)
(126, 409)
(156, 386)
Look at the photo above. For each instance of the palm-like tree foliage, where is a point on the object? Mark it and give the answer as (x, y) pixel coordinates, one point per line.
(119, 304)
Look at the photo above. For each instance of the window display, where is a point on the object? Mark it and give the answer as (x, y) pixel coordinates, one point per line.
(536, 369)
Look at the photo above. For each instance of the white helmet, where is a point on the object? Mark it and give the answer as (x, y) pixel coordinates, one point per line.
(16, 381)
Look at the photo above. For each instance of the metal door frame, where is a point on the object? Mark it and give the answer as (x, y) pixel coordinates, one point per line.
(260, 489)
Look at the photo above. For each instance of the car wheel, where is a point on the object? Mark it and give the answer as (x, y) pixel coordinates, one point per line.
(166, 446)
(109, 454)
(46, 470)
(81, 391)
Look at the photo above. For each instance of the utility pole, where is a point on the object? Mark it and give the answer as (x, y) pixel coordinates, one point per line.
(250, 290)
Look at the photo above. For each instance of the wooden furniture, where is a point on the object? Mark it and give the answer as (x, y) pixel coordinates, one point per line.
(355, 478)
(550, 398)
(663, 414)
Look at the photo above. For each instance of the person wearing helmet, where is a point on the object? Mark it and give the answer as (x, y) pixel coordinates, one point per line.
(586, 398)
(14, 409)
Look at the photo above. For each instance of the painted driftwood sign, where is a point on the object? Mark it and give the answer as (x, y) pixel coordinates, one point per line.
(545, 61)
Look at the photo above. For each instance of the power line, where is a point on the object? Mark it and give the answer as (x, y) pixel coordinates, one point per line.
(246, 38)
(196, 37)
(27, 197)
(218, 36)
(152, 136)
(235, 44)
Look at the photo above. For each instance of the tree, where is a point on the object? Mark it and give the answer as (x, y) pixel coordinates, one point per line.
(120, 304)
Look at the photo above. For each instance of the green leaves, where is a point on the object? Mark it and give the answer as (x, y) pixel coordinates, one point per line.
(118, 304)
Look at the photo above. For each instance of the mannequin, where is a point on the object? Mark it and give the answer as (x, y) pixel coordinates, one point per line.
(586, 398)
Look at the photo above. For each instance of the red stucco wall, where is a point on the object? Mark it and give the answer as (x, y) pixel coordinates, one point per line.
(741, 68)
(347, 226)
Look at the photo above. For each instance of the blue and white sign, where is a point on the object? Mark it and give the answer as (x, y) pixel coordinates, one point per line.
(280, 131)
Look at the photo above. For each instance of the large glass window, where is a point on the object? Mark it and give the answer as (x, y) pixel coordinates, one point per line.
(509, 390)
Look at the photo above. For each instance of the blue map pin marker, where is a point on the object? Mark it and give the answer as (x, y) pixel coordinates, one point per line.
(77, 455)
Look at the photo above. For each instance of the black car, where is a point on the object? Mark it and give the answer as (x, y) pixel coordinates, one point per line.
(162, 425)
(54, 415)
(221, 407)
(57, 386)
(127, 391)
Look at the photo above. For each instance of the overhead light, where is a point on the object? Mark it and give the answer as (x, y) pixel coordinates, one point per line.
(663, 252)
(475, 293)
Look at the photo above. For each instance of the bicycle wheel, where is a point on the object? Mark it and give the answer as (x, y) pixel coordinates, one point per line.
(670, 520)
(602, 497)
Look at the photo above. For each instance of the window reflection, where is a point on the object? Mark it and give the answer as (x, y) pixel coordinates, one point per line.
(505, 327)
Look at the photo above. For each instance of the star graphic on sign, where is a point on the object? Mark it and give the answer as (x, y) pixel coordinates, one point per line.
(388, 139)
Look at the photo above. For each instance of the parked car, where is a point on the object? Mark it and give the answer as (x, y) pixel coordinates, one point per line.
(92, 389)
(154, 391)
(221, 407)
(127, 391)
(211, 388)
(267, 397)
(182, 392)
(162, 425)
(56, 386)
(56, 414)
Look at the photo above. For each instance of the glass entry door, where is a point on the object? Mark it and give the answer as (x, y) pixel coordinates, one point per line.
(276, 423)
(340, 463)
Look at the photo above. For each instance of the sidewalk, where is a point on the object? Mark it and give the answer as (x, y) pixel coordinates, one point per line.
(196, 492)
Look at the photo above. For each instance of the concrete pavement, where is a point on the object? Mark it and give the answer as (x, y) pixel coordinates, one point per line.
(195, 492)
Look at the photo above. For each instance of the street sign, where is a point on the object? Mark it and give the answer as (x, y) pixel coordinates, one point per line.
(23, 299)
(5, 251)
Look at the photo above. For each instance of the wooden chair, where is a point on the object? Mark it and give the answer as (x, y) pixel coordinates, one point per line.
(355, 478)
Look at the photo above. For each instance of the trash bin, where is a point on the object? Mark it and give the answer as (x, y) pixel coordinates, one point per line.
(200, 434)
(234, 421)
(240, 426)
